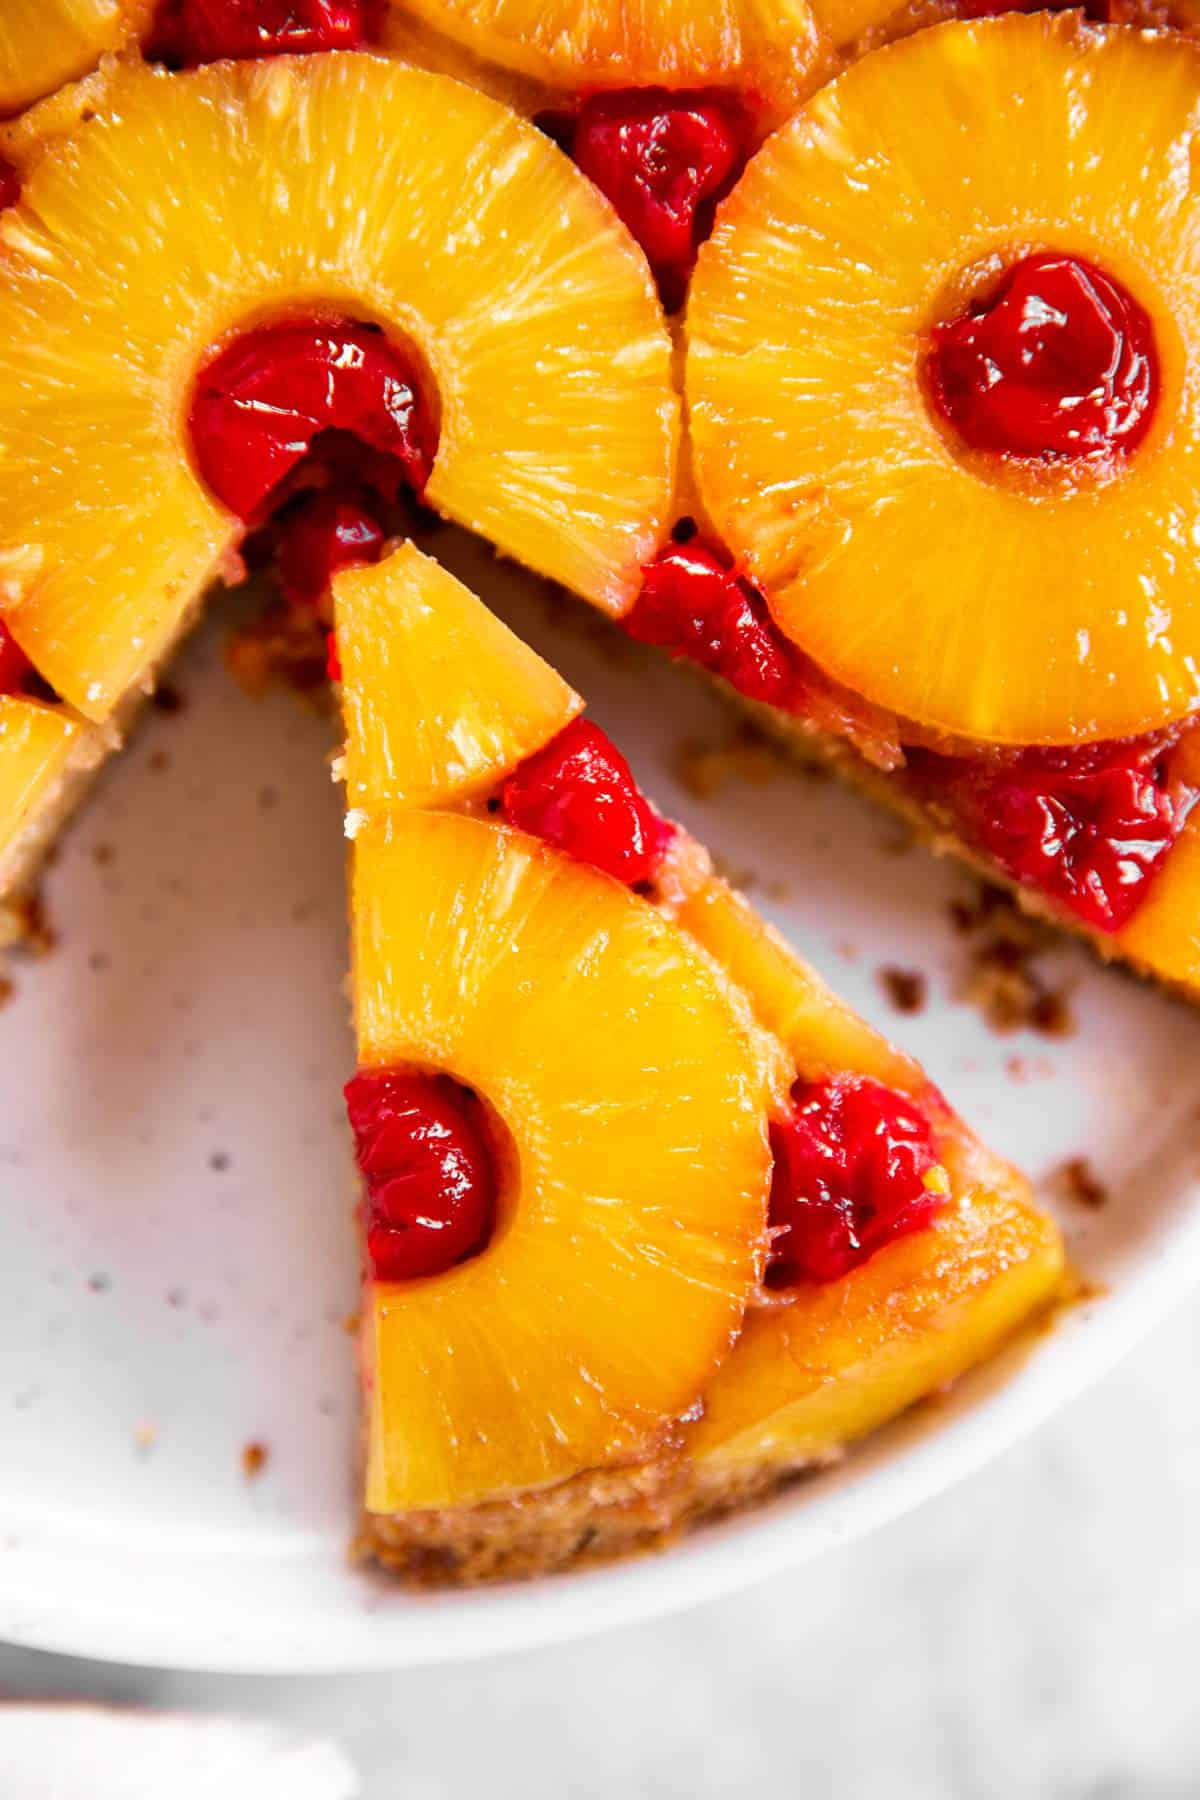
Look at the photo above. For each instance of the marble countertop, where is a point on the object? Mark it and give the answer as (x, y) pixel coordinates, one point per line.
(1031, 1634)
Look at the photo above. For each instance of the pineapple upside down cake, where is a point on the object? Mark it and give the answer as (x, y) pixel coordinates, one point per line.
(760, 329)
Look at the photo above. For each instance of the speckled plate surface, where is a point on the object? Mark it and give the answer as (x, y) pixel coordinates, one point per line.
(175, 1243)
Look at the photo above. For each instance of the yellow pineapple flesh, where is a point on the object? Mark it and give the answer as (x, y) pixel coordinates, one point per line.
(822, 1034)
(963, 597)
(44, 43)
(769, 47)
(847, 22)
(37, 743)
(440, 698)
(843, 1358)
(186, 207)
(632, 1226)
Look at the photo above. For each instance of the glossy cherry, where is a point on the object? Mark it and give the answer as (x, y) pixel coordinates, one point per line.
(326, 532)
(663, 159)
(579, 794)
(1058, 360)
(852, 1168)
(10, 184)
(305, 388)
(1088, 827)
(696, 605)
(186, 33)
(15, 666)
(429, 1174)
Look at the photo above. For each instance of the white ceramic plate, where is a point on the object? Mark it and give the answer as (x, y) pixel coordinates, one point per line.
(175, 1239)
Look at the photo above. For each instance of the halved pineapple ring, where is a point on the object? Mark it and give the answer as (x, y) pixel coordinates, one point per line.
(193, 205)
(956, 596)
(765, 46)
(46, 42)
(626, 1073)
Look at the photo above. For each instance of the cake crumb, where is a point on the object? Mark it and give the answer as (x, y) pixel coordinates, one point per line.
(1077, 1179)
(219, 1161)
(34, 934)
(158, 761)
(145, 1437)
(741, 879)
(100, 1283)
(906, 989)
(255, 1457)
(703, 769)
(103, 855)
(166, 699)
(1003, 980)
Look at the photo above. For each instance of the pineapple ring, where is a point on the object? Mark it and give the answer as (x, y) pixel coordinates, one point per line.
(193, 205)
(571, 1006)
(962, 600)
(768, 47)
(44, 43)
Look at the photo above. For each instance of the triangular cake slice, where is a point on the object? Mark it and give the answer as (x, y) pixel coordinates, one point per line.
(651, 1220)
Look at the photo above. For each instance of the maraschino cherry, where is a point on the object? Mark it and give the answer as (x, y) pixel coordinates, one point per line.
(326, 532)
(263, 405)
(580, 795)
(186, 33)
(663, 159)
(1088, 826)
(430, 1178)
(1057, 361)
(696, 605)
(854, 1169)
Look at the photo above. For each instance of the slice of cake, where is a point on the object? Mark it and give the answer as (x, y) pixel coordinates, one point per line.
(651, 1221)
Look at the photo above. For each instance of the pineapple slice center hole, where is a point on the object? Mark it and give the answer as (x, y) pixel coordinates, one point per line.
(1045, 363)
(319, 432)
(439, 1170)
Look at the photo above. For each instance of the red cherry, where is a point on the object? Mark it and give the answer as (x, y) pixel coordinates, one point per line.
(697, 606)
(14, 664)
(264, 403)
(186, 33)
(579, 794)
(1059, 360)
(327, 532)
(10, 184)
(1090, 827)
(663, 159)
(849, 1177)
(422, 1148)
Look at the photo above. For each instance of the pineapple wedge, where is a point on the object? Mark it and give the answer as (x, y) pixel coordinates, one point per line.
(185, 207)
(912, 573)
(769, 47)
(441, 699)
(846, 1357)
(44, 43)
(601, 1372)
